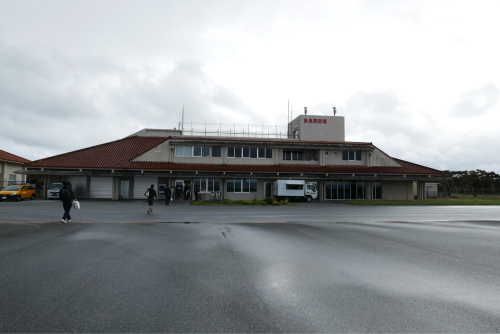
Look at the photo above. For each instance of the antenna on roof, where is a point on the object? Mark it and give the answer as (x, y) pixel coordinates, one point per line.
(288, 119)
(182, 118)
(334, 111)
(305, 110)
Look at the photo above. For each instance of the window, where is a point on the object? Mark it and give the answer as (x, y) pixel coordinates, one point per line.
(234, 152)
(179, 151)
(351, 155)
(377, 189)
(253, 152)
(294, 186)
(246, 152)
(269, 153)
(293, 155)
(230, 152)
(326, 153)
(335, 153)
(216, 152)
(241, 185)
(261, 153)
(237, 185)
(183, 151)
(197, 151)
(230, 185)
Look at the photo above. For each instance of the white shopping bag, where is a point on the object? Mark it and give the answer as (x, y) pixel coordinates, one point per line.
(76, 204)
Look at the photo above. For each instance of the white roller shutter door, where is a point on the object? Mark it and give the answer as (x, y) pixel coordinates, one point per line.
(101, 187)
(142, 183)
(79, 184)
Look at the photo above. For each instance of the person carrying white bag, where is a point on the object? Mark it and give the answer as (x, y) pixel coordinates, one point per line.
(67, 196)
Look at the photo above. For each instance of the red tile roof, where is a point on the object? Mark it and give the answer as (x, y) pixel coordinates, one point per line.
(119, 155)
(11, 157)
(115, 154)
(407, 168)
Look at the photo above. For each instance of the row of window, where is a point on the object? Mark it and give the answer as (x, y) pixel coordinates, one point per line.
(253, 153)
(250, 152)
(293, 155)
(342, 189)
(351, 155)
(194, 151)
(241, 185)
(207, 184)
(335, 189)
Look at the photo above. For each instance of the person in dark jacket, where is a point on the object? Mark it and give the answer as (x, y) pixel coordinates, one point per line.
(168, 193)
(151, 193)
(66, 195)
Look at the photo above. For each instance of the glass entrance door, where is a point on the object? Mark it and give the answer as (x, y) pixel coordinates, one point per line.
(179, 189)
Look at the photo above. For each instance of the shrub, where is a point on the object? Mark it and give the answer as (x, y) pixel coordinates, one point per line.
(269, 200)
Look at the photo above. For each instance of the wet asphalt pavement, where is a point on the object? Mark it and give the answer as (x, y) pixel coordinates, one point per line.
(96, 211)
(370, 275)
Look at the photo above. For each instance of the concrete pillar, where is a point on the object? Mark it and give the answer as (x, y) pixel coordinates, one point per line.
(192, 189)
(421, 190)
(45, 186)
(88, 187)
(223, 183)
(116, 188)
(369, 191)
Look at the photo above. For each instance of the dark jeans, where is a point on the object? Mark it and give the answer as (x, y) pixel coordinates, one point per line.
(168, 200)
(67, 207)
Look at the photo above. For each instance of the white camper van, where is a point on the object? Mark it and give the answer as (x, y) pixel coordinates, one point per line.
(294, 189)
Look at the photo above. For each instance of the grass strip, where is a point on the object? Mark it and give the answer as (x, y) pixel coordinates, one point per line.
(430, 201)
(242, 202)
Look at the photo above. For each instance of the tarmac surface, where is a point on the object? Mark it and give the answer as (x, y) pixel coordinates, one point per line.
(347, 269)
(95, 211)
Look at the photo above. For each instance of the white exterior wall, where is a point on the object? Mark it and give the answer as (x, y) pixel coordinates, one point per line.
(397, 190)
(101, 187)
(333, 130)
(142, 183)
(8, 168)
(379, 158)
(159, 153)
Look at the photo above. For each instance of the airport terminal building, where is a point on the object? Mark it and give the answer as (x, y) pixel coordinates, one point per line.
(238, 167)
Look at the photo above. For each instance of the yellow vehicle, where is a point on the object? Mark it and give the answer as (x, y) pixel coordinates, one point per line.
(17, 192)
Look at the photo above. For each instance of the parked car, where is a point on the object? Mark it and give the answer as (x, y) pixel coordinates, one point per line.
(18, 192)
(54, 188)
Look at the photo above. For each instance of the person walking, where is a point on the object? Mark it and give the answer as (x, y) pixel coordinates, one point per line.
(195, 193)
(151, 194)
(168, 193)
(66, 195)
(188, 195)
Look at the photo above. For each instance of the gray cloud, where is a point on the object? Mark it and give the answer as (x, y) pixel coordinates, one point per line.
(477, 102)
(67, 104)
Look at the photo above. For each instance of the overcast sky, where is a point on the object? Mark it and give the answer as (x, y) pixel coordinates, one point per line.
(419, 79)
